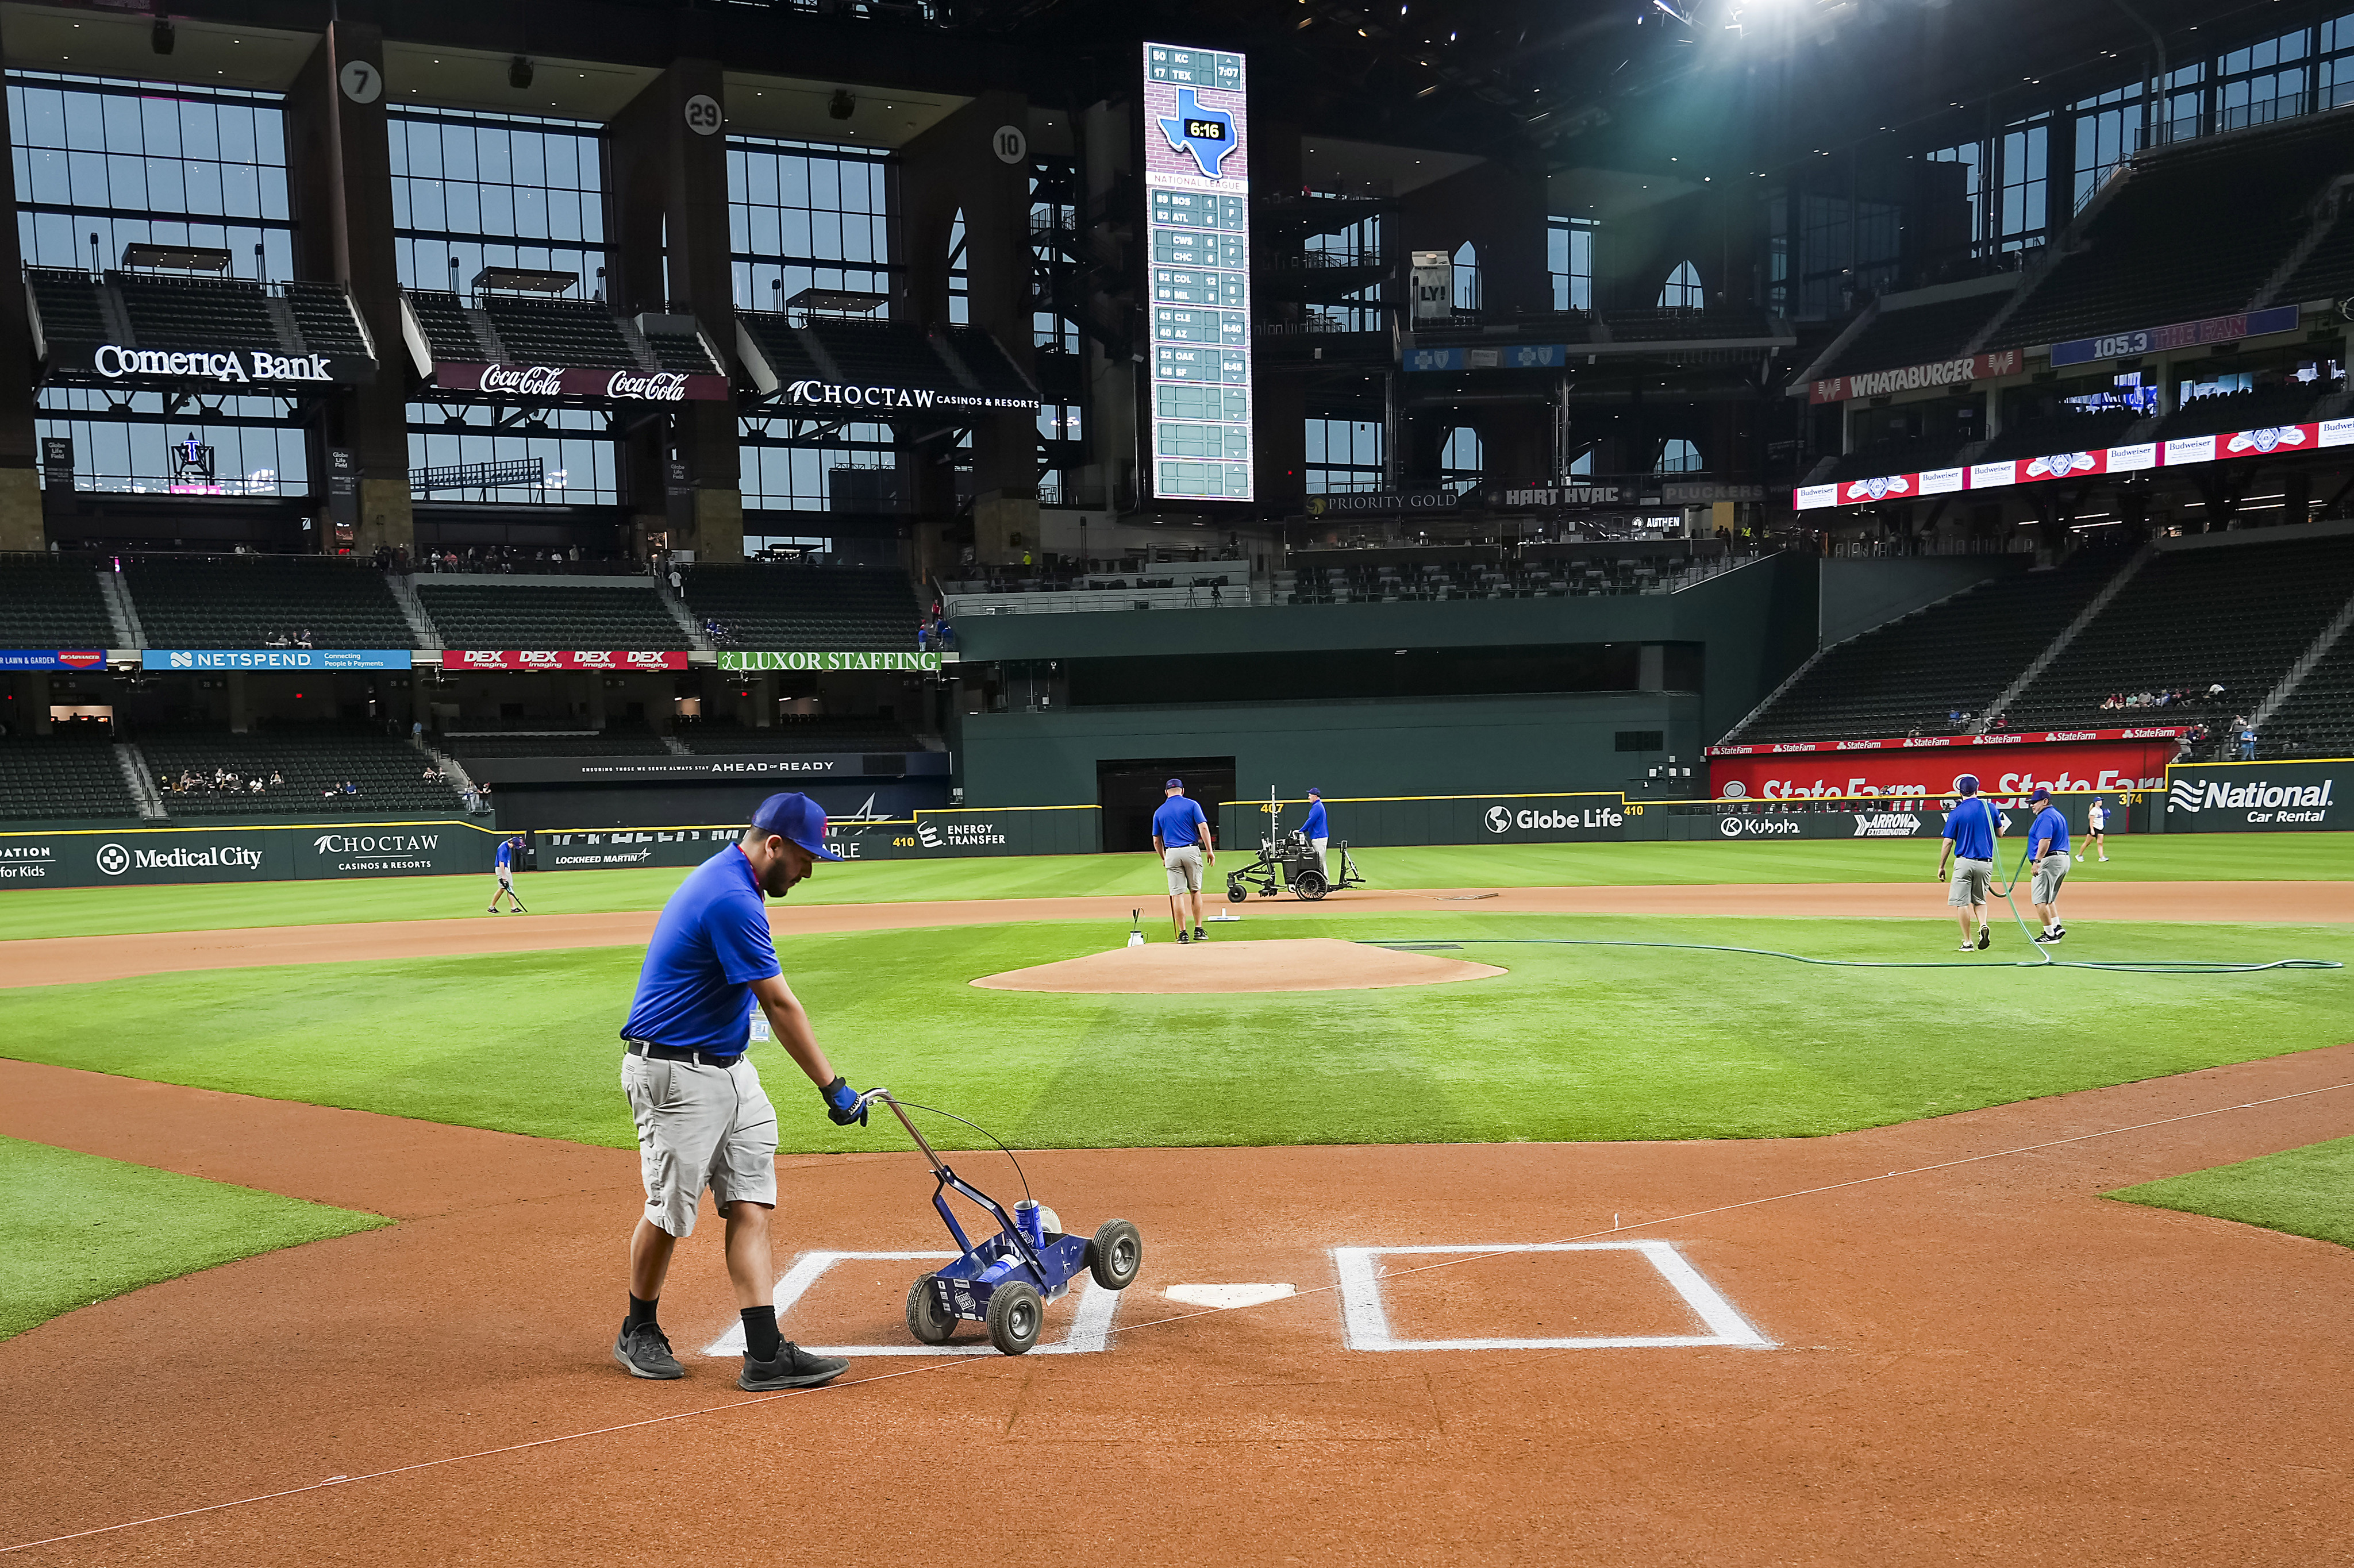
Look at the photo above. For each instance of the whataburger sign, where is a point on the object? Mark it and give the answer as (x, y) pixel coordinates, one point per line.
(2188, 451)
(1912, 378)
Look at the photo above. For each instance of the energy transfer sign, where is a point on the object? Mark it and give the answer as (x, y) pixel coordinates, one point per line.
(1197, 187)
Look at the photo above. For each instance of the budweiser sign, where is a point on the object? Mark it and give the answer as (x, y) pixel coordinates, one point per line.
(556, 659)
(537, 381)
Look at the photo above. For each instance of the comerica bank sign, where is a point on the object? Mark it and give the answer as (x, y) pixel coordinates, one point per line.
(237, 367)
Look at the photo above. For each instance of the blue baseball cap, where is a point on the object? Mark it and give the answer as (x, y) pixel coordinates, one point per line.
(1967, 784)
(1316, 794)
(795, 816)
(2039, 793)
(1175, 784)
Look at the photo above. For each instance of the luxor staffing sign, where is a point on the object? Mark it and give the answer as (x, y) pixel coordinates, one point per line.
(1197, 185)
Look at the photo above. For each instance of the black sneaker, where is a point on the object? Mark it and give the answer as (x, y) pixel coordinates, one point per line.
(491, 910)
(1985, 939)
(1200, 935)
(793, 1368)
(645, 1351)
(2057, 932)
(1182, 939)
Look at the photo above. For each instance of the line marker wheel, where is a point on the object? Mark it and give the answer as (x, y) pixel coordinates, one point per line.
(928, 1317)
(1116, 1256)
(1016, 1316)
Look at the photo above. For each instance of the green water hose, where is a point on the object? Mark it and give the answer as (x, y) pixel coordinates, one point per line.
(2042, 959)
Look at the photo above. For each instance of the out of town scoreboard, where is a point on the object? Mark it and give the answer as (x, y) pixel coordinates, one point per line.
(1197, 182)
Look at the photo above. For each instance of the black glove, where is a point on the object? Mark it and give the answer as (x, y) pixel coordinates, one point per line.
(841, 1103)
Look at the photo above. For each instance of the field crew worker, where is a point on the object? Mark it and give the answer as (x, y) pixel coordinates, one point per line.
(1318, 832)
(1182, 838)
(2047, 842)
(1968, 838)
(503, 867)
(702, 1118)
(2097, 822)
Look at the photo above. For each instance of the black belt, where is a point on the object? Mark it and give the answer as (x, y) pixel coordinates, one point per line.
(677, 1054)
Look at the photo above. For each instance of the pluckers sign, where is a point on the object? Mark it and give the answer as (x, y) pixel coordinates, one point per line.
(533, 382)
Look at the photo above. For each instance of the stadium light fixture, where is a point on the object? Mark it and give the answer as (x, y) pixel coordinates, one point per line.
(519, 73)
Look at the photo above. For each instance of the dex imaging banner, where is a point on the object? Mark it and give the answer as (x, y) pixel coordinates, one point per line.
(2260, 797)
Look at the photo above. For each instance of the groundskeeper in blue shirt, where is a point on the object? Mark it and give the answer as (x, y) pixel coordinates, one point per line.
(1970, 825)
(1314, 827)
(712, 942)
(1176, 822)
(2049, 824)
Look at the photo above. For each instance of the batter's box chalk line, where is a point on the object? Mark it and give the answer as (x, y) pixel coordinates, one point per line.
(1367, 1323)
(1090, 1329)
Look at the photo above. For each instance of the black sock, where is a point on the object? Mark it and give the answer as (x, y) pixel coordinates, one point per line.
(641, 1312)
(761, 1339)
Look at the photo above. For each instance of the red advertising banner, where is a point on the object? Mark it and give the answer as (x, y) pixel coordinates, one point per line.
(2008, 763)
(554, 381)
(1941, 373)
(556, 658)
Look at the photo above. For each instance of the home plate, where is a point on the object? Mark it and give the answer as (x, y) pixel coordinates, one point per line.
(1225, 1297)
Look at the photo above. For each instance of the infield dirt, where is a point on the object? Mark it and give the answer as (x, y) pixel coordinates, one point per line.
(1978, 1360)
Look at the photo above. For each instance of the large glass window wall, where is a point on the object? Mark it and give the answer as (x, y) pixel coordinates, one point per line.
(1344, 455)
(101, 165)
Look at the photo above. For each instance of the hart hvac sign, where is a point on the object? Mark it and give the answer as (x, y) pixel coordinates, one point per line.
(2258, 797)
(754, 662)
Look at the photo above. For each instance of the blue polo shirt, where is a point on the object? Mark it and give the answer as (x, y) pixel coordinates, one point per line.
(505, 857)
(711, 943)
(1314, 826)
(1971, 827)
(2050, 824)
(1175, 823)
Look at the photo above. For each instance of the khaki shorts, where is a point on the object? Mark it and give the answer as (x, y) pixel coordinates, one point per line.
(1184, 863)
(2050, 873)
(700, 1127)
(1972, 878)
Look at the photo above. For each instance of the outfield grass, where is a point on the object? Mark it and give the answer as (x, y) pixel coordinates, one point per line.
(76, 1229)
(1574, 1043)
(2305, 1191)
(204, 906)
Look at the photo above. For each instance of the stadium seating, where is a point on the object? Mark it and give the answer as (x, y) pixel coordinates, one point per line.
(795, 734)
(890, 354)
(195, 313)
(541, 612)
(599, 743)
(62, 775)
(1960, 653)
(1632, 567)
(239, 602)
(448, 333)
(2318, 719)
(780, 344)
(1916, 334)
(322, 315)
(990, 364)
(2327, 273)
(807, 609)
(50, 601)
(680, 351)
(311, 759)
(2290, 403)
(559, 332)
(2140, 263)
(69, 306)
(1894, 456)
(2238, 614)
(2060, 432)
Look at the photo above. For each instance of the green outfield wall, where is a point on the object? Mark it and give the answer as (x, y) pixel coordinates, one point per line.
(102, 857)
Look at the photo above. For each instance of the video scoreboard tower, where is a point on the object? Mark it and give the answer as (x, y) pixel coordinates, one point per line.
(1197, 223)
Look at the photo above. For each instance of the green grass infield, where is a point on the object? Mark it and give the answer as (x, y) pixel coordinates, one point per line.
(76, 1229)
(1576, 1043)
(2305, 1191)
(204, 906)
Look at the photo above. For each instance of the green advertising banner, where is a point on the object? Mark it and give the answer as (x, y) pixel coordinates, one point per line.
(753, 662)
(2260, 797)
(951, 833)
(280, 852)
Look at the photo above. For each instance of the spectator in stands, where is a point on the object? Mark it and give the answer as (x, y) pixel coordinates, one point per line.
(302, 638)
(350, 788)
(2215, 693)
(923, 635)
(946, 635)
(255, 788)
(2246, 734)
(275, 781)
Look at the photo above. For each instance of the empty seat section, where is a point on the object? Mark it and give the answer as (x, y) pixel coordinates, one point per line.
(2140, 264)
(534, 612)
(780, 344)
(682, 352)
(1957, 654)
(448, 333)
(52, 602)
(62, 775)
(2237, 614)
(601, 743)
(2258, 408)
(2318, 720)
(69, 306)
(1918, 335)
(2057, 433)
(559, 333)
(807, 609)
(990, 364)
(895, 354)
(322, 314)
(309, 758)
(196, 313)
(245, 602)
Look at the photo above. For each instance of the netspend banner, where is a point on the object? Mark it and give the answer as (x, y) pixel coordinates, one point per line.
(2260, 797)
(275, 658)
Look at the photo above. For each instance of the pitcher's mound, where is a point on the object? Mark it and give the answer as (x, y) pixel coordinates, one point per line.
(1199, 969)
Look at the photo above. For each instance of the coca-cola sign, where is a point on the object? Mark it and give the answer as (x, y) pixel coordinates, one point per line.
(556, 659)
(602, 382)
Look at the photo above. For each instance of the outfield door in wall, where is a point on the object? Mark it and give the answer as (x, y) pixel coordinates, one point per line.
(1129, 792)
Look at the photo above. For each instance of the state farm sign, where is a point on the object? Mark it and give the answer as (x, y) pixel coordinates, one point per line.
(556, 659)
(627, 386)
